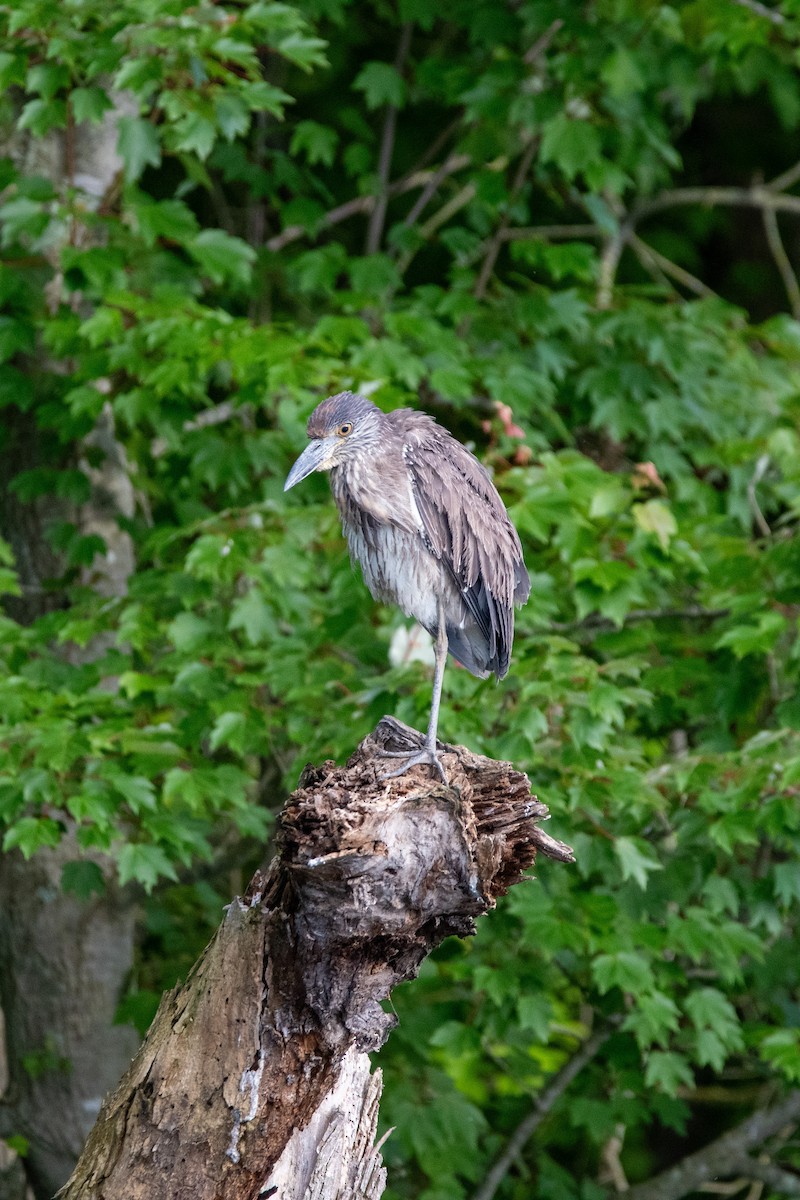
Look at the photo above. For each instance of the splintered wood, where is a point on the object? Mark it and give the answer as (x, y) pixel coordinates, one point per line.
(253, 1080)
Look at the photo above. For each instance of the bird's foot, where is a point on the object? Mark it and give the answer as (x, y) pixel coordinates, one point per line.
(426, 755)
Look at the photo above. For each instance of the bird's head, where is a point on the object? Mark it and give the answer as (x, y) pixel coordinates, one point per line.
(337, 429)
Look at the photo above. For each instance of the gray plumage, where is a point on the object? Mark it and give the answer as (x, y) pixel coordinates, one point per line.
(428, 528)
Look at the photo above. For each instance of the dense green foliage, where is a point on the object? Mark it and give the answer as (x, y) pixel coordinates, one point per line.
(330, 194)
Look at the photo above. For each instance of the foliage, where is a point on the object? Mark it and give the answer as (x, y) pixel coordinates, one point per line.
(644, 432)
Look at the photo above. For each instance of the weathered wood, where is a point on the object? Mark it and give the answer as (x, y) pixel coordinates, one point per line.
(253, 1080)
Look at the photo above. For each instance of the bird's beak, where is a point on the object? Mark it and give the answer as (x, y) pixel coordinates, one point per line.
(314, 458)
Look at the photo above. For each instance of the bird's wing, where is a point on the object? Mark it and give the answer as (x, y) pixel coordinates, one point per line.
(465, 524)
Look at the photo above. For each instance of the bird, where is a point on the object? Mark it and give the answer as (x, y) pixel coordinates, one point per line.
(429, 530)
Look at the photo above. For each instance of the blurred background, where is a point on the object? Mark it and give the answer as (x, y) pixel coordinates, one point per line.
(570, 232)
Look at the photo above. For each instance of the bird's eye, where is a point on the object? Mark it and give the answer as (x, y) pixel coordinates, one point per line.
(344, 428)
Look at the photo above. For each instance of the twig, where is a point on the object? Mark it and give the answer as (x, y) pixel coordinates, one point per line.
(364, 204)
(431, 186)
(759, 196)
(540, 45)
(378, 214)
(443, 215)
(771, 14)
(785, 180)
(441, 139)
(553, 1092)
(440, 217)
(720, 1157)
(609, 264)
(496, 240)
(448, 210)
(646, 254)
(546, 233)
(597, 621)
(752, 499)
(778, 251)
(778, 1180)
(219, 202)
(612, 1170)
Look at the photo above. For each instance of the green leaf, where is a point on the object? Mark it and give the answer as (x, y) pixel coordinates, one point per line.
(143, 864)
(232, 115)
(18, 1143)
(654, 1019)
(15, 337)
(222, 257)
(41, 116)
(83, 879)
(622, 73)
(188, 632)
(138, 791)
(317, 142)
(626, 970)
(47, 79)
(89, 104)
(253, 616)
(12, 69)
(195, 133)
(654, 517)
(381, 84)
(229, 730)
(138, 146)
(570, 144)
(668, 1072)
(535, 1013)
(635, 862)
(30, 834)
(719, 1031)
(786, 882)
(781, 1050)
(758, 638)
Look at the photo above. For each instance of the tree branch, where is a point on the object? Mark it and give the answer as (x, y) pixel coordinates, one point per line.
(650, 258)
(542, 1106)
(496, 240)
(436, 178)
(785, 180)
(596, 621)
(767, 197)
(785, 1182)
(609, 264)
(722, 1157)
(540, 45)
(378, 215)
(762, 467)
(365, 204)
(778, 251)
(761, 10)
(758, 196)
(448, 210)
(546, 233)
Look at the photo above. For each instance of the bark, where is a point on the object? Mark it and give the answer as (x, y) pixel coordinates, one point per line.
(64, 963)
(254, 1079)
(726, 1156)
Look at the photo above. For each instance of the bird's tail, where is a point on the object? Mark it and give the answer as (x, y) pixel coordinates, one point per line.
(468, 647)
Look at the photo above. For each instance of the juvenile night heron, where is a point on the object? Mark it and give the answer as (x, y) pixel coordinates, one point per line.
(425, 522)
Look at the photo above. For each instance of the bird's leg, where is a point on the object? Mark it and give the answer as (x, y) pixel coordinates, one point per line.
(438, 679)
(427, 754)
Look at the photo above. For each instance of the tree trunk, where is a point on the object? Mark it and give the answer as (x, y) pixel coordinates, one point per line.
(64, 963)
(254, 1079)
(69, 960)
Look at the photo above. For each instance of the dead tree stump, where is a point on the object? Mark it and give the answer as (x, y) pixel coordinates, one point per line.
(254, 1080)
